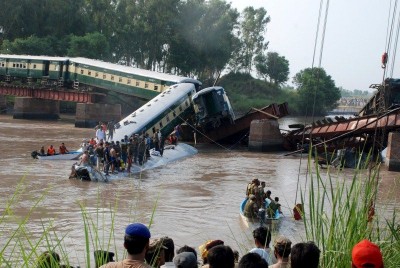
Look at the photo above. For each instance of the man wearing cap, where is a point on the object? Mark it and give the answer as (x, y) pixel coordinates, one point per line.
(136, 243)
(282, 247)
(366, 255)
(155, 255)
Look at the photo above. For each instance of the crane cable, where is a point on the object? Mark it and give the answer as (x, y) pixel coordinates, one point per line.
(316, 87)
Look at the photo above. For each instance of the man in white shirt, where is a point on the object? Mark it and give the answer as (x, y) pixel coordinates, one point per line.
(262, 239)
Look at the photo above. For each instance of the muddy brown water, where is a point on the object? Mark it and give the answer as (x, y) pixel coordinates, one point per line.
(196, 198)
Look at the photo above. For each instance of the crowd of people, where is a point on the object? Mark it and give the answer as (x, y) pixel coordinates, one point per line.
(114, 157)
(144, 252)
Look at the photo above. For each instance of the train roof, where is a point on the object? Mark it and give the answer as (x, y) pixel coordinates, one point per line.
(136, 121)
(29, 57)
(129, 70)
(207, 90)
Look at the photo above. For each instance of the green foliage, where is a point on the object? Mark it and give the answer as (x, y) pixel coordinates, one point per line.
(273, 66)
(32, 45)
(337, 216)
(315, 84)
(92, 45)
(251, 34)
(354, 93)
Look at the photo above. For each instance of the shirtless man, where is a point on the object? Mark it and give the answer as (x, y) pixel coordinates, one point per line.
(63, 149)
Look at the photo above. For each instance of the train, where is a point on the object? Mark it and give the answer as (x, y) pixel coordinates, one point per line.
(167, 110)
(84, 74)
(213, 108)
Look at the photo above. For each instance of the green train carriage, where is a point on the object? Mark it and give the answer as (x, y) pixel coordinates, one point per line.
(143, 84)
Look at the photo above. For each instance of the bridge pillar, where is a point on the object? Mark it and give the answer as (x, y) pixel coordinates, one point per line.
(265, 135)
(33, 108)
(392, 153)
(88, 115)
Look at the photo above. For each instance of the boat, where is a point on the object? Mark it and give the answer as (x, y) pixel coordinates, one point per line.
(263, 220)
(171, 153)
(71, 155)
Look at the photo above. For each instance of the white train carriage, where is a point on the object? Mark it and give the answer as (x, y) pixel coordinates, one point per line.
(163, 112)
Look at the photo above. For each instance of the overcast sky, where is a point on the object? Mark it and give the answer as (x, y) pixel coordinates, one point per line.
(355, 37)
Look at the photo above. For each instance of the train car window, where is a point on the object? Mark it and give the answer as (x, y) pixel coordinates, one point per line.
(81, 71)
(174, 114)
(155, 88)
(187, 104)
(161, 125)
(34, 66)
(89, 73)
(129, 81)
(167, 117)
(154, 130)
(120, 79)
(96, 74)
(146, 85)
(112, 78)
(104, 76)
(141, 110)
(180, 108)
(24, 66)
(14, 65)
(137, 83)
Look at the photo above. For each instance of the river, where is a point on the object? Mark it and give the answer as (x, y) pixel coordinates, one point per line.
(195, 199)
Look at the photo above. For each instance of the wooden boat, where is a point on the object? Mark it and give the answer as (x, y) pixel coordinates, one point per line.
(72, 155)
(273, 223)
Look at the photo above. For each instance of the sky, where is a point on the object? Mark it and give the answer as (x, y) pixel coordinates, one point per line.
(355, 37)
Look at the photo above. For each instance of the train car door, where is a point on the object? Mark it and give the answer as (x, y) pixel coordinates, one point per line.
(46, 68)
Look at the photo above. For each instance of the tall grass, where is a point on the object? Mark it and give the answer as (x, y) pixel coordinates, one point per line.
(337, 215)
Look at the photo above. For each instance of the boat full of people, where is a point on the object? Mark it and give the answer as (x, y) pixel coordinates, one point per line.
(52, 154)
(91, 168)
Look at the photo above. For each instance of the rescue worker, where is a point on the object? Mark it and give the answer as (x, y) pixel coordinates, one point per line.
(251, 208)
(63, 149)
(51, 150)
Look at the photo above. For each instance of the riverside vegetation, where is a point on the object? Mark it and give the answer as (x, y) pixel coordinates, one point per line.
(335, 218)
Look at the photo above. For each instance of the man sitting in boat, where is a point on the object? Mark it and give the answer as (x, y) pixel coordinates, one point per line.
(251, 207)
(51, 150)
(63, 149)
(273, 207)
(42, 152)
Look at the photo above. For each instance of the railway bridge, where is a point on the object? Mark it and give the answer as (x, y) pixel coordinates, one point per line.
(39, 83)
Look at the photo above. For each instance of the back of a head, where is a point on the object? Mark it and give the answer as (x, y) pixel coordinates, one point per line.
(137, 237)
(282, 246)
(186, 248)
(185, 260)
(366, 255)
(221, 257)
(263, 235)
(305, 254)
(252, 260)
(170, 248)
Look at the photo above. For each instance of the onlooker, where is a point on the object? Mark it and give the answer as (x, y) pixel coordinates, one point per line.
(102, 257)
(366, 255)
(136, 242)
(155, 255)
(304, 254)
(186, 248)
(168, 252)
(185, 260)
(262, 239)
(281, 251)
(205, 248)
(252, 260)
(221, 257)
(48, 259)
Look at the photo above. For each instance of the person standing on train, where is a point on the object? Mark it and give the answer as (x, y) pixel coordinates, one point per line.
(156, 140)
(111, 130)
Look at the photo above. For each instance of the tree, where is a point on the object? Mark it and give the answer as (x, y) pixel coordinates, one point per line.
(315, 84)
(273, 66)
(251, 34)
(92, 45)
(32, 45)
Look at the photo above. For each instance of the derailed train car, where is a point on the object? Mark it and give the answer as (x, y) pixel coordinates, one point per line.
(213, 108)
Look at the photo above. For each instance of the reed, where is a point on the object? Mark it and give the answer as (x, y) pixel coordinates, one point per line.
(338, 215)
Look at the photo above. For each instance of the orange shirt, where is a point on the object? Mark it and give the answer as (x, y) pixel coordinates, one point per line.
(51, 151)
